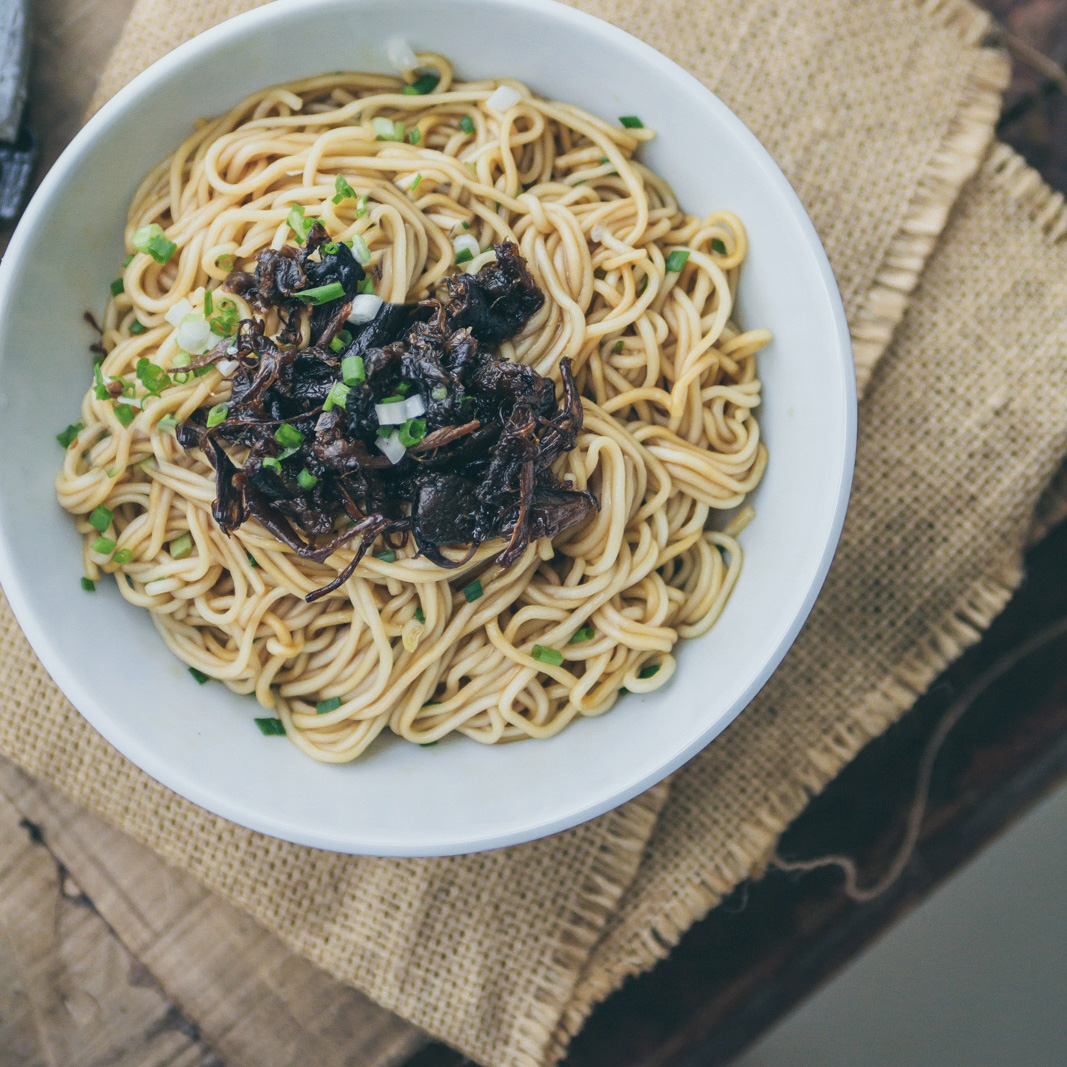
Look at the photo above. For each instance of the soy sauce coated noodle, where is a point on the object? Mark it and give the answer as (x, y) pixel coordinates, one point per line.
(668, 381)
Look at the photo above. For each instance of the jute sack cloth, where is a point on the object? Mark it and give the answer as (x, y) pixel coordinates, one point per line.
(879, 111)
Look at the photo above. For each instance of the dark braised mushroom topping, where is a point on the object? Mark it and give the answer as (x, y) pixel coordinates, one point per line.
(302, 450)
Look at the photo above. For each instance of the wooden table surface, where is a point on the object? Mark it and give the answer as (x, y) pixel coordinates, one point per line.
(110, 958)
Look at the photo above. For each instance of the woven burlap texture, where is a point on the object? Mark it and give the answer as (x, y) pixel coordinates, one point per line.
(879, 111)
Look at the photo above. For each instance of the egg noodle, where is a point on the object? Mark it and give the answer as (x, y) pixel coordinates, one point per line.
(639, 294)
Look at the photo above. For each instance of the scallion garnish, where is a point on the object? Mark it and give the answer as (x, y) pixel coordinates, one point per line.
(420, 615)
(416, 182)
(412, 432)
(288, 436)
(118, 286)
(137, 327)
(329, 248)
(151, 376)
(324, 707)
(225, 322)
(618, 347)
(151, 240)
(306, 480)
(340, 342)
(388, 556)
(104, 545)
(367, 285)
(124, 413)
(271, 727)
(127, 261)
(217, 414)
(101, 392)
(344, 191)
(352, 370)
(70, 434)
(718, 246)
(676, 260)
(101, 518)
(122, 557)
(473, 591)
(200, 676)
(182, 546)
(387, 130)
(181, 359)
(360, 250)
(586, 633)
(632, 122)
(336, 397)
(547, 655)
(166, 424)
(421, 86)
(439, 392)
(321, 294)
(209, 303)
(272, 464)
(465, 255)
(414, 135)
(361, 207)
(251, 560)
(466, 124)
(648, 671)
(225, 262)
(297, 222)
(89, 585)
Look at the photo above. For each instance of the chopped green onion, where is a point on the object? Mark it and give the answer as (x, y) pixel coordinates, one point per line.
(251, 559)
(306, 480)
(336, 397)
(344, 191)
(200, 676)
(129, 390)
(225, 322)
(101, 387)
(271, 727)
(324, 707)
(288, 436)
(386, 557)
(70, 434)
(89, 585)
(466, 124)
(217, 414)
(586, 633)
(341, 341)
(718, 246)
(321, 294)
(124, 413)
(420, 615)
(149, 464)
(137, 327)
(297, 222)
(618, 347)
(329, 248)
(361, 207)
(465, 255)
(181, 359)
(352, 370)
(421, 86)
(150, 240)
(412, 432)
(104, 545)
(415, 183)
(360, 250)
(209, 303)
(403, 388)
(226, 262)
(414, 135)
(199, 372)
(151, 376)
(387, 130)
(649, 671)
(547, 655)
(127, 261)
(676, 260)
(439, 392)
(111, 471)
(473, 591)
(122, 557)
(182, 546)
(101, 518)
(272, 464)
(367, 285)
(166, 424)
(632, 122)
(118, 286)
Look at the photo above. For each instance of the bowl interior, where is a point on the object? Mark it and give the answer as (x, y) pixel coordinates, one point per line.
(457, 796)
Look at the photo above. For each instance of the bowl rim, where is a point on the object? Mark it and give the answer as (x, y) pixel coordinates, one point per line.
(154, 762)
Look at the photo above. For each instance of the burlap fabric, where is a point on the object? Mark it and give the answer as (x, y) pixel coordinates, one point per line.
(879, 111)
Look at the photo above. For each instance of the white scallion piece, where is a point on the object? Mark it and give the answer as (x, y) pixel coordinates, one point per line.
(502, 98)
(400, 54)
(384, 127)
(365, 308)
(466, 243)
(226, 367)
(415, 406)
(178, 312)
(391, 446)
(194, 334)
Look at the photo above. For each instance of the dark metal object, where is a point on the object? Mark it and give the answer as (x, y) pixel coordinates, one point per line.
(18, 147)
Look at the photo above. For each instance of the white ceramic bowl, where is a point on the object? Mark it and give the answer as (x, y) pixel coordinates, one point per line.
(458, 796)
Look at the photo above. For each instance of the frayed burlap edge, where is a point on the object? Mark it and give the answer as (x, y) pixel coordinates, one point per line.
(896, 694)
(966, 141)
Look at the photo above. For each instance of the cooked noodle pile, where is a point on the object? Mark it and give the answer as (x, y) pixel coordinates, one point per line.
(668, 382)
